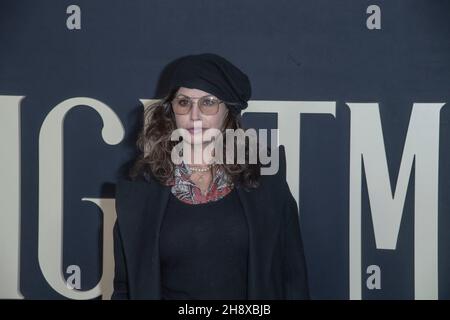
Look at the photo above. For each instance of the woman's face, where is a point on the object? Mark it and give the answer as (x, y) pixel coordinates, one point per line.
(186, 121)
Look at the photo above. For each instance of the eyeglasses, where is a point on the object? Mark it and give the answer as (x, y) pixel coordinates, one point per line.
(208, 105)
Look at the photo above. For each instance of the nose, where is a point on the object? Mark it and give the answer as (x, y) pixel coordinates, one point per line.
(195, 111)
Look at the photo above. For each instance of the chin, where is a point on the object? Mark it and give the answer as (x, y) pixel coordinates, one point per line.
(197, 141)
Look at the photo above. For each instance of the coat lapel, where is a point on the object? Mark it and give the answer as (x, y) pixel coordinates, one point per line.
(253, 276)
(263, 225)
(148, 273)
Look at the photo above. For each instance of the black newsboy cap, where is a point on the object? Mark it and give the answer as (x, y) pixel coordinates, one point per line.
(216, 75)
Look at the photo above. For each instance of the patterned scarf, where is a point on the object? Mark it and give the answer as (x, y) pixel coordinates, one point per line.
(185, 190)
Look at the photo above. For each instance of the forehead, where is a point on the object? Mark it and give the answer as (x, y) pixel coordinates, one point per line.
(194, 93)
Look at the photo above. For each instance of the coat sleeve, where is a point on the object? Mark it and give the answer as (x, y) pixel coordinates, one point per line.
(120, 270)
(295, 272)
(120, 273)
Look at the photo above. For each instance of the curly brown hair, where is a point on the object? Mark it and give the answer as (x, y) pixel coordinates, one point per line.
(155, 146)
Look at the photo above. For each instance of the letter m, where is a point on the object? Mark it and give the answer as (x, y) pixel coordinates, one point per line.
(422, 148)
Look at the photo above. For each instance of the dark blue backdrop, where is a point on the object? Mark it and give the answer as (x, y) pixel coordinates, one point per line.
(309, 50)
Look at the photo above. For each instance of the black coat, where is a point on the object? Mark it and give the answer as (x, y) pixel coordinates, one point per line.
(276, 262)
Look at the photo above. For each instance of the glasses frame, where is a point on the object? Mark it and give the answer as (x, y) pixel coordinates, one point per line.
(191, 104)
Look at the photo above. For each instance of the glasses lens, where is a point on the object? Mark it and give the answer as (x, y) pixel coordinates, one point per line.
(181, 105)
(208, 105)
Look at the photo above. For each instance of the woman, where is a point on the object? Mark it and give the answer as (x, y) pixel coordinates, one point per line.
(204, 229)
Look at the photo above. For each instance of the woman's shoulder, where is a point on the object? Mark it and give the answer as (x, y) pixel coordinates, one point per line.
(272, 180)
(140, 179)
(126, 182)
(126, 185)
(132, 196)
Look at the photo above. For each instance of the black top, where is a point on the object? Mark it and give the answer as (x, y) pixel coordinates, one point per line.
(204, 249)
